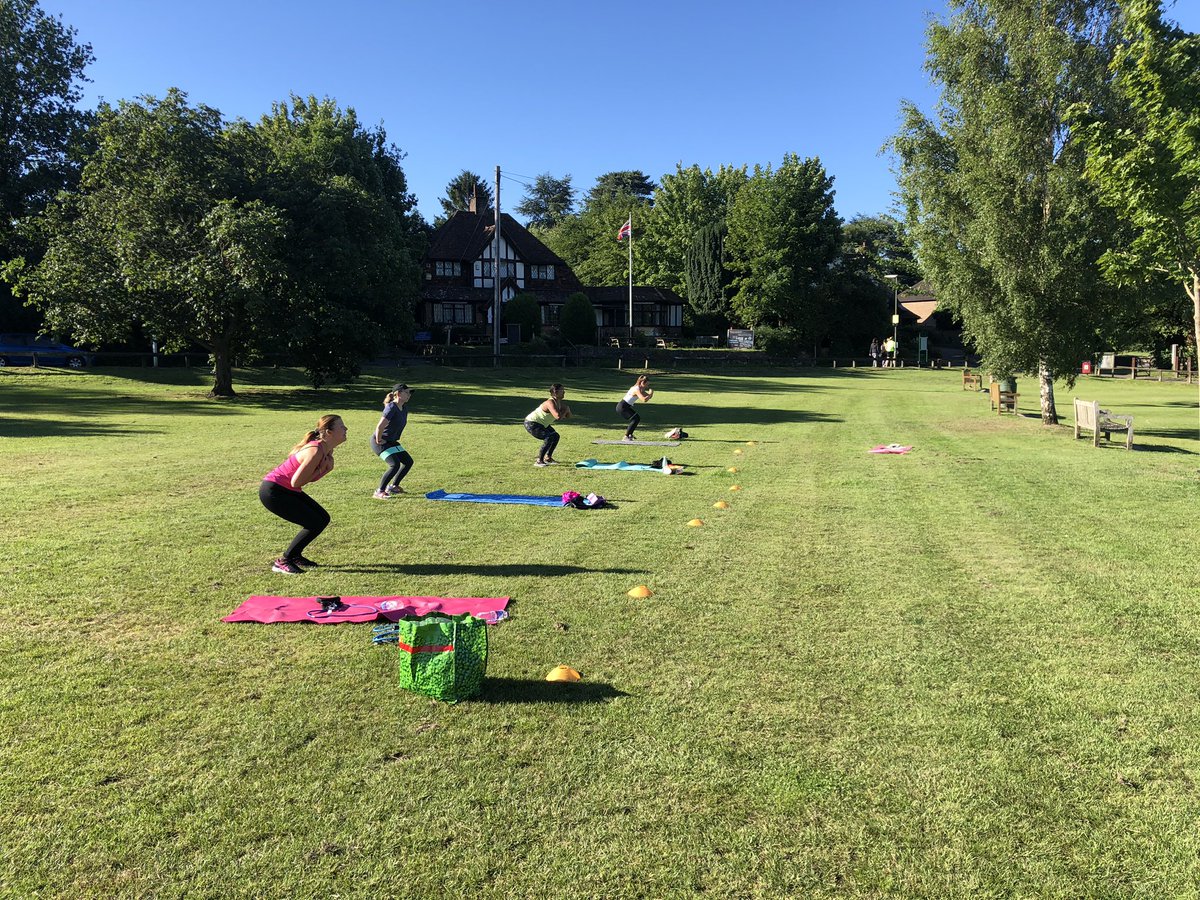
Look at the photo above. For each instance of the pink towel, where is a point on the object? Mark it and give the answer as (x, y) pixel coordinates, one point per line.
(360, 609)
(889, 448)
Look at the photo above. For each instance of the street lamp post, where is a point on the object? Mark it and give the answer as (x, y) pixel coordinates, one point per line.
(895, 280)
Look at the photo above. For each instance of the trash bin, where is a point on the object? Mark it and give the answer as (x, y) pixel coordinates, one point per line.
(1086, 368)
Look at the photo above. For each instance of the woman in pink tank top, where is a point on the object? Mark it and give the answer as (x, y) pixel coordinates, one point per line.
(282, 490)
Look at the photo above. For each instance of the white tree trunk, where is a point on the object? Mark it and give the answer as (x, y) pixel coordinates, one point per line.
(1046, 394)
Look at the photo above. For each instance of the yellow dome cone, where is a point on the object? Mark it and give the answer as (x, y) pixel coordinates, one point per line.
(720, 504)
(732, 469)
(640, 592)
(695, 523)
(738, 452)
(751, 443)
(563, 673)
(736, 487)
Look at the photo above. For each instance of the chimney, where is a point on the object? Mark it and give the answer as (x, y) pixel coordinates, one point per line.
(473, 205)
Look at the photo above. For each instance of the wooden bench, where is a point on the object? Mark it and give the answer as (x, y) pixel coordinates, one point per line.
(660, 343)
(971, 382)
(1090, 417)
(1002, 400)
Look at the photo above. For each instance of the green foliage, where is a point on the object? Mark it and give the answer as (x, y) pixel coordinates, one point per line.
(41, 70)
(705, 270)
(577, 319)
(355, 240)
(588, 242)
(1006, 228)
(779, 340)
(1144, 161)
(159, 233)
(548, 202)
(523, 310)
(784, 236)
(459, 192)
(685, 203)
(612, 187)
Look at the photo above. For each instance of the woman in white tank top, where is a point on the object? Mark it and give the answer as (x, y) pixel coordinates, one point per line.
(640, 391)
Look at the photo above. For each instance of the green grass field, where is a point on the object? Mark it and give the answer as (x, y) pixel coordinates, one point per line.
(970, 671)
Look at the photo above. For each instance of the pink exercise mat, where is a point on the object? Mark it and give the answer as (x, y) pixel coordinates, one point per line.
(890, 448)
(269, 610)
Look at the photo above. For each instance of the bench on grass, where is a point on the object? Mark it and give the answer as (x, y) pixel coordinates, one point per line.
(971, 382)
(1002, 400)
(1090, 417)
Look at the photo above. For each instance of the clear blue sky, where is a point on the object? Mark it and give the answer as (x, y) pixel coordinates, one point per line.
(536, 86)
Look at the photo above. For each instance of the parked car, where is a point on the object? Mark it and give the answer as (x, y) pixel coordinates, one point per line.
(20, 349)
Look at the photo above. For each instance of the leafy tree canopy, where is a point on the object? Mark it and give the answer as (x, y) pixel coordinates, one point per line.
(548, 202)
(577, 320)
(614, 186)
(459, 192)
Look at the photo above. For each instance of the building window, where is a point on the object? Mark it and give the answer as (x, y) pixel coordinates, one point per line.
(542, 273)
(447, 269)
(508, 269)
(551, 313)
(452, 314)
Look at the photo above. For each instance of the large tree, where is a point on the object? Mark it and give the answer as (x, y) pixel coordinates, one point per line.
(41, 74)
(687, 201)
(1145, 156)
(159, 234)
(354, 238)
(1005, 226)
(784, 236)
(464, 188)
(612, 186)
(548, 202)
(588, 241)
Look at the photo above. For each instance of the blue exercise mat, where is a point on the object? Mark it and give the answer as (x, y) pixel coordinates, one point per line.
(496, 498)
(620, 466)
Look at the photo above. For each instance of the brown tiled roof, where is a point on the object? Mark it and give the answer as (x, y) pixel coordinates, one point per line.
(464, 235)
(618, 296)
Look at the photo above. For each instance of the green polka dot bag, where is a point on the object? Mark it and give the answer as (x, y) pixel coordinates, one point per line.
(441, 656)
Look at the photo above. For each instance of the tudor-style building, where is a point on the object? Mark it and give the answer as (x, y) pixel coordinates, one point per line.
(458, 290)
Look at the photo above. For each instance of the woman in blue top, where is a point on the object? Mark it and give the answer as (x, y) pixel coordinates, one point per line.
(385, 441)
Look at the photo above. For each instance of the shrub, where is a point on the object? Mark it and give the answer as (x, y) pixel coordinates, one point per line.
(523, 310)
(778, 341)
(577, 320)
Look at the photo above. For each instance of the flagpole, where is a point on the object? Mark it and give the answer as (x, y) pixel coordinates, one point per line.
(631, 278)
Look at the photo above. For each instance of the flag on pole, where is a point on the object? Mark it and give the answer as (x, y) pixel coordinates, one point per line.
(625, 229)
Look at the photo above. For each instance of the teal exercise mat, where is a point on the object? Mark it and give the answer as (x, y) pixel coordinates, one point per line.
(627, 467)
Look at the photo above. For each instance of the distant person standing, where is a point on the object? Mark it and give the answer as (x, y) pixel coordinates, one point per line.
(641, 390)
(385, 442)
(874, 353)
(540, 424)
(890, 347)
(282, 490)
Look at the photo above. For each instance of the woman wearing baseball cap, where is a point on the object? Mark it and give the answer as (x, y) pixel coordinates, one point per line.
(385, 442)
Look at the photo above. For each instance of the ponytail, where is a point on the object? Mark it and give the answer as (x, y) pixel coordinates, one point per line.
(323, 424)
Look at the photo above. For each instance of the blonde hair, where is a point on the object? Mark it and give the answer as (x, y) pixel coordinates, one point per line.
(324, 423)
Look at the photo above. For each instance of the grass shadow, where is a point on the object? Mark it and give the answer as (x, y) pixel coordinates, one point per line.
(526, 690)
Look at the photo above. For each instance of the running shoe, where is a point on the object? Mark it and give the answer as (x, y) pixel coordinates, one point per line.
(395, 489)
(551, 462)
(305, 562)
(382, 495)
(286, 567)
(539, 464)
(628, 437)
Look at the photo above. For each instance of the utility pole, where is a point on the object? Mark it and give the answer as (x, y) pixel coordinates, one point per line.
(496, 277)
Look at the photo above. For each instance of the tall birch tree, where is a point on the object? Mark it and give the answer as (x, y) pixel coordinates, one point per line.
(1004, 224)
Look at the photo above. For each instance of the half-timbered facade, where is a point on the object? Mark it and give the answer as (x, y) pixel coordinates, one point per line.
(458, 286)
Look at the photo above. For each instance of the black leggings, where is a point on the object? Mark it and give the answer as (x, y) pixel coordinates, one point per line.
(298, 508)
(628, 412)
(547, 435)
(398, 464)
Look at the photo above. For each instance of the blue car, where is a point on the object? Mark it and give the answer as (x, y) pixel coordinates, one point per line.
(20, 349)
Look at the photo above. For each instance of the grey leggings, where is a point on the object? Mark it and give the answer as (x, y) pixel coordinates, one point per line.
(547, 435)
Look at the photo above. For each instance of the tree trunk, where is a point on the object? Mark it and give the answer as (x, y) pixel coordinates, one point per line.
(1046, 394)
(222, 370)
(1194, 295)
